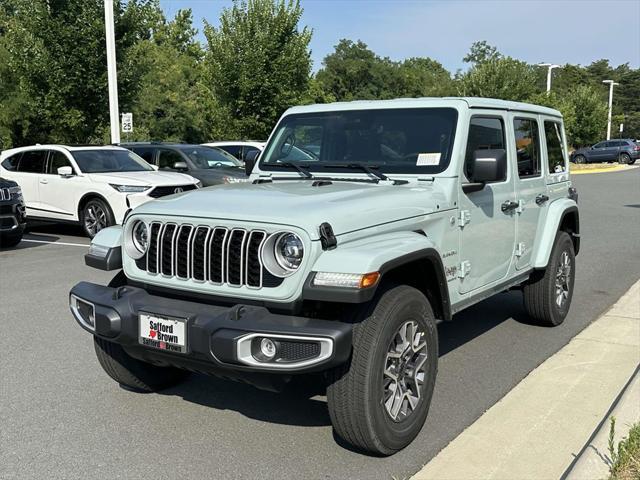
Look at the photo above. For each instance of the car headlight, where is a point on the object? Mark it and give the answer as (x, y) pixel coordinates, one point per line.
(198, 184)
(282, 253)
(130, 188)
(140, 236)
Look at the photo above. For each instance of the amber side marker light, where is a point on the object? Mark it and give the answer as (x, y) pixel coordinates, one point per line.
(369, 279)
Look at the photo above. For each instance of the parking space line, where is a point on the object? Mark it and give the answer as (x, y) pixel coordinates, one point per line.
(57, 243)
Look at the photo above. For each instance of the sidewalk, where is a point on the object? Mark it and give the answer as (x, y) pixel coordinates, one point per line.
(538, 429)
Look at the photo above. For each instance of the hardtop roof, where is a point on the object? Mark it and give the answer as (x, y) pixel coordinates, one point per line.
(427, 102)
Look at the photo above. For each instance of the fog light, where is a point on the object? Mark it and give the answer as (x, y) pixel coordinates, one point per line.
(268, 348)
(264, 349)
(83, 311)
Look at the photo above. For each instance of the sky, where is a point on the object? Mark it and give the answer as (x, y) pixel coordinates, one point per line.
(555, 31)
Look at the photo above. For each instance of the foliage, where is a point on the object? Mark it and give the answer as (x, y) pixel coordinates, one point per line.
(258, 64)
(625, 459)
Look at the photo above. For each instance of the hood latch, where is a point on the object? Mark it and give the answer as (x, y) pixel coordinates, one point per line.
(327, 239)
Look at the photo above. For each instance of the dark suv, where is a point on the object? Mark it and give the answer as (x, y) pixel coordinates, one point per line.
(625, 151)
(12, 213)
(212, 166)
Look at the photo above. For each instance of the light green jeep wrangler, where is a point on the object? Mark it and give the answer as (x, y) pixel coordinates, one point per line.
(364, 224)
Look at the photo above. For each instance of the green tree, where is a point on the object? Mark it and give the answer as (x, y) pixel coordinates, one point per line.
(504, 78)
(258, 64)
(481, 52)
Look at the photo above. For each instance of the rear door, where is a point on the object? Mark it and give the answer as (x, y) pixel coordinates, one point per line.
(31, 166)
(531, 186)
(487, 240)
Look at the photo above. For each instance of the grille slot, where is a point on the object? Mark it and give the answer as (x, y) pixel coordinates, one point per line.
(206, 254)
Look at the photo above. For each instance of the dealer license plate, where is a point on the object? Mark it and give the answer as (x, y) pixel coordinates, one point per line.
(163, 332)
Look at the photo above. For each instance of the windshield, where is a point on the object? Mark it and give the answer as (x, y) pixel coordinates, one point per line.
(210, 157)
(405, 140)
(103, 161)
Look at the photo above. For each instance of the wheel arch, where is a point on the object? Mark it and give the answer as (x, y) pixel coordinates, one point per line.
(563, 215)
(90, 196)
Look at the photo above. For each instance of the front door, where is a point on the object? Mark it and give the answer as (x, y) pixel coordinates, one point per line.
(59, 195)
(530, 184)
(488, 237)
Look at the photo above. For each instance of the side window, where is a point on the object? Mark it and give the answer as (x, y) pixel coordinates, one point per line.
(167, 158)
(597, 145)
(555, 146)
(11, 163)
(527, 147)
(235, 150)
(145, 153)
(33, 162)
(56, 160)
(485, 133)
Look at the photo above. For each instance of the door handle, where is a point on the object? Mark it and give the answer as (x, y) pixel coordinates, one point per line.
(541, 199)
(44, 180)
(509, 205)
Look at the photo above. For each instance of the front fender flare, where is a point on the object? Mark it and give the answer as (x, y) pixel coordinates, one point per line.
(382, 253)
(108, 255)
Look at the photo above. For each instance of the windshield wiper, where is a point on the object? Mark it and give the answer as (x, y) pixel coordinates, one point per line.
(291, 165)
(365, 168)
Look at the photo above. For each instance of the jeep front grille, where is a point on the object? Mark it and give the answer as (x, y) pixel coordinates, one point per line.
(218, 255)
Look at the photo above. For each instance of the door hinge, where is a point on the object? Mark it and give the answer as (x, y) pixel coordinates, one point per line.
(464, 217)
(520, 248)
(465, 268)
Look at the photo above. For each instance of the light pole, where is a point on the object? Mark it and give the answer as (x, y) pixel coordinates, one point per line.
(112, 76)
(550, 66)
(611, 84)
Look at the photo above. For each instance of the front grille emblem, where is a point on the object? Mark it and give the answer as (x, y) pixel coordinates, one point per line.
(178, 190)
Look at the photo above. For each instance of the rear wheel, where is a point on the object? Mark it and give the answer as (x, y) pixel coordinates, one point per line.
(133, 373)
(95, 216)
(378, 402)
(548, 293)
(624, 159)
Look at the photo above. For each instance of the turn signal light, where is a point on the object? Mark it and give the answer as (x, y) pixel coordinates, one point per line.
(369, 279)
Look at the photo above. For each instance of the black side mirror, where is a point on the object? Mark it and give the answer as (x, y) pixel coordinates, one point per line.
(487, 166)
(180, 166)
(250, 161)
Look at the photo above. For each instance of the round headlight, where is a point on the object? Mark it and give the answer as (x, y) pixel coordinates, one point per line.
(140, 235)
(288, 251)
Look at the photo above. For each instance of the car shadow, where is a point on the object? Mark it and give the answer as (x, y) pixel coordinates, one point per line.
(303, 403)
(45, 228)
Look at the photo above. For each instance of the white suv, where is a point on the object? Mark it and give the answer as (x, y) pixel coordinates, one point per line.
(94, 186)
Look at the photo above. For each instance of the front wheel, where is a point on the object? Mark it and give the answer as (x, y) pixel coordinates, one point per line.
(378, 402)
(548, 293)
(10, 239)
(96, 215)
(580, 159)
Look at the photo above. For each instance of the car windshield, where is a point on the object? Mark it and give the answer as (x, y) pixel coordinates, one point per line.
(405, 140)
(105, 160)
(210, 157)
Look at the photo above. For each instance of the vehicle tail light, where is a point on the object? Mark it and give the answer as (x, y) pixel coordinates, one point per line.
(637, 147)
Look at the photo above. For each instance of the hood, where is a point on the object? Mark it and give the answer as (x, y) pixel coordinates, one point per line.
(347, 206)
(6, 183)
(154, 178)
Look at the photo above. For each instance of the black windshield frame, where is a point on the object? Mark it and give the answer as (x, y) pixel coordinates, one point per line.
(430, 130)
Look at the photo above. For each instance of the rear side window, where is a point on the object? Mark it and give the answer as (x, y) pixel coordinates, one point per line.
(32, 162)
(56, 160)
(168, 158)
(527, 147)
(11, 163)
(555, 146)
(485, 133)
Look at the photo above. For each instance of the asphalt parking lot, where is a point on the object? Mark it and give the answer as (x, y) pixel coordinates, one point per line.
(62, 417)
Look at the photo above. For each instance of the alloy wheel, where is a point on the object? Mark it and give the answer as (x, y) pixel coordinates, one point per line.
(404, 371)
(95, 218)
(563, 279)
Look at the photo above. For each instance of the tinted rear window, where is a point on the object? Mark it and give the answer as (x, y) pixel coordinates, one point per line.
(11, 163)
(32, 162)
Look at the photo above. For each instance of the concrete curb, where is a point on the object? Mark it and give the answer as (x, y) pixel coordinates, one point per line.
(617, 168)
(538, 428)
(594, 461)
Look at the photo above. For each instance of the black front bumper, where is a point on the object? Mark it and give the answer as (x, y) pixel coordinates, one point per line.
(12, 218)
(211, 331)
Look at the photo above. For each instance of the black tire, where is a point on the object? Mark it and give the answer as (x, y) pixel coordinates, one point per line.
(631, 161)
(624, 159)
(540, 292)
(8, 240)
(96, 212)
(356, 391)
(580, 159)
(133, 373)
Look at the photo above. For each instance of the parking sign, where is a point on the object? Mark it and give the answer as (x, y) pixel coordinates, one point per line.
(127, 122)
